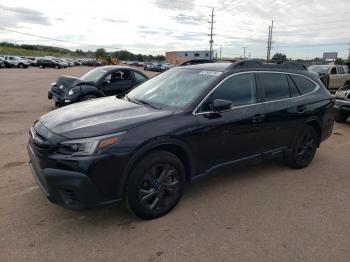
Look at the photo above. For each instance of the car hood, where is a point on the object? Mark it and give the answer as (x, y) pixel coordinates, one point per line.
(67, 82)
(99, 117)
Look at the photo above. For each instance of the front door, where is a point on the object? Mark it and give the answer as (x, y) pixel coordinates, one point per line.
(117, 83)
(235, 134)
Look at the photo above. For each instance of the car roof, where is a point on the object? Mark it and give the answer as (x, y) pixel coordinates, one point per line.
(111, 67)
(208, 66)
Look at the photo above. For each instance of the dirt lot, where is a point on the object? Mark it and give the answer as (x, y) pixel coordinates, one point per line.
(262, 213)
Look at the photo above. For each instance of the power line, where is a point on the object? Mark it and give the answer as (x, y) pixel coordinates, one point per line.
(76, 43)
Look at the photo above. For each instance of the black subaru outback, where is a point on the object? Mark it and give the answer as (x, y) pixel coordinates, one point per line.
(178, 127)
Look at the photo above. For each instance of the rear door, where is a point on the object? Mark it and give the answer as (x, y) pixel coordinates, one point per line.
(284, 106)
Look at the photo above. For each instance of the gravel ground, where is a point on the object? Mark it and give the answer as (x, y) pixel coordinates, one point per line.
(266, 212)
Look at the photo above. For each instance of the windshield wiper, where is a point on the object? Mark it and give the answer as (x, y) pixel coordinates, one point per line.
(139, 101)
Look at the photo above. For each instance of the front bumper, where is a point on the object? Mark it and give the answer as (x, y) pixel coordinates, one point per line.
(72, 190)
(342, 105)
(59, 99)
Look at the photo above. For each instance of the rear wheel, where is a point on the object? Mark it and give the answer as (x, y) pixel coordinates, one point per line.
(155, 185)
(20, 65)
(304, 149)
(57, 66)
(88, 97)
(340, 117)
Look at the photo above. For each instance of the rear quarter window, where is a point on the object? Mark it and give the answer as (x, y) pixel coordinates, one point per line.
(304, 85)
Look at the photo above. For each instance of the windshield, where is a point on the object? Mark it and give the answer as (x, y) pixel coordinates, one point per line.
(319, 69)
(93, 75)
(175, 88)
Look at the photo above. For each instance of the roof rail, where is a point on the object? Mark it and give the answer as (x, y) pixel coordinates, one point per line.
(256, 63)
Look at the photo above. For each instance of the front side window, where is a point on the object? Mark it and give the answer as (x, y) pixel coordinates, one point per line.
(239, 89)
(275, 85)
(333, 71)
(139, 78)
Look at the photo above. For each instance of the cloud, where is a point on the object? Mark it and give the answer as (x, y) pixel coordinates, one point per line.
(188, 19)
(12, 16)
(114, 21)
(175, 4)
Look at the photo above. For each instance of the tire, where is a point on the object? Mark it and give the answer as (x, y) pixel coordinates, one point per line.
(88, 97)
(155, 185)
(57, 66)
(340, 117)
(304, 149)
(20, 65)
(41, 66)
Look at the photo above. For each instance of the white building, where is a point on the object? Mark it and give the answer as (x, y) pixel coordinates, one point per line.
(179, 57)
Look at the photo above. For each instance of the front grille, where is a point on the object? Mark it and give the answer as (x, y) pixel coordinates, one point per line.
(39, 144)
(56, 91)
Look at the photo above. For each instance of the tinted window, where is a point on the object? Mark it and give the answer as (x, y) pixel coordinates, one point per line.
(304, 85)
(340, 70)
(275, 86)
(333, 71)
(239, 89)
(293, 88)
(139, 78)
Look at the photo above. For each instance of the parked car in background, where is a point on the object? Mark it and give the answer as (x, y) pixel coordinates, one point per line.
(15, 61)
(5, 63)
(333, 76)
(180, 126)
(342, 104)
(99, 82)
(2, 64)
(44, 62)
(63, 63)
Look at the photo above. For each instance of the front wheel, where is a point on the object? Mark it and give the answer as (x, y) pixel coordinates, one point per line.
(20, 65)
(304, 149)
(155, 185)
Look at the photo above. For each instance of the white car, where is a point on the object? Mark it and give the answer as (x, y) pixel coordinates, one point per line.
(16, 61)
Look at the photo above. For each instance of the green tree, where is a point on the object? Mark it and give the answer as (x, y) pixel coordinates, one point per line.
(100, 53)
(279, 56)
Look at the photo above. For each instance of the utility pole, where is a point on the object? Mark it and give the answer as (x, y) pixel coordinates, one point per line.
(211, 33)
(269, 42)
(244, 48)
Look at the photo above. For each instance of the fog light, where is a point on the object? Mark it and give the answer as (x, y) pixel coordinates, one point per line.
(67, 101)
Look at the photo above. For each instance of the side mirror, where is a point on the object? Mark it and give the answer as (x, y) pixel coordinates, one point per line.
(220, 105)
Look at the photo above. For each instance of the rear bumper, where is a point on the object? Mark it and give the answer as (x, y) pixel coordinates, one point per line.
(72, 190)
(342, 105)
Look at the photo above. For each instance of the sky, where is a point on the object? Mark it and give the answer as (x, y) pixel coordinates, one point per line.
(302, 28)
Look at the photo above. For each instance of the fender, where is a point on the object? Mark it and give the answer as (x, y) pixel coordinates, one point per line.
(307, 121)
(89, 90)
(150, 145)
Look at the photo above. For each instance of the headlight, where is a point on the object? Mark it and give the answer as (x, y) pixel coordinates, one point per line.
(88, 146)
(71, 92)
(53, 84)
(61, 87)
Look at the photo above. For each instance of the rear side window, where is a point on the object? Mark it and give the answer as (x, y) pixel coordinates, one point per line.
(275, 85)
(239, 89)
(341, 70)
(304, 85)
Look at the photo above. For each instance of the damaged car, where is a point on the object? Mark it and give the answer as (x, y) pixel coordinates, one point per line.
(342, 104)
(100, 82)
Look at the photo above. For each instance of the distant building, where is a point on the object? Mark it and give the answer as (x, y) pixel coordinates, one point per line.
(179, 57)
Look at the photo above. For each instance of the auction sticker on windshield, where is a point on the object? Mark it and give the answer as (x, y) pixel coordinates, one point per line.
(210, 73)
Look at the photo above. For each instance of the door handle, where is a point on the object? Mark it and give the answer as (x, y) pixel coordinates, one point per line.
(301, 109)
(258, 118)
